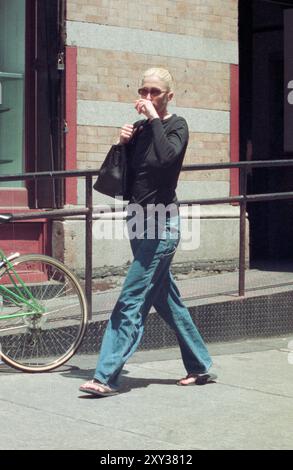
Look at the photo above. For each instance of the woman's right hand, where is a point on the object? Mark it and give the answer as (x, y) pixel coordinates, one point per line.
(126, 133)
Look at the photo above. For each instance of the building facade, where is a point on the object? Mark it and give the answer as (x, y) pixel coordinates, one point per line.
(74, 80)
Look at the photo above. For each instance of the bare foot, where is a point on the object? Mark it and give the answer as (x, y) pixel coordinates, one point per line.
(95, 387)
(197, 379)
(189, 380)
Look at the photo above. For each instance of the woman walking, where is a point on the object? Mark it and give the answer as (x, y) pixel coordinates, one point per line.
(155, 148)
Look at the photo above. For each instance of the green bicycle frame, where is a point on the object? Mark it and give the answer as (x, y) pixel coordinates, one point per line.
(16, 295)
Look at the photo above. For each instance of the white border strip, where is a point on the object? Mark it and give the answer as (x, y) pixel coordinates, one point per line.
(115, 114)
(154, 43)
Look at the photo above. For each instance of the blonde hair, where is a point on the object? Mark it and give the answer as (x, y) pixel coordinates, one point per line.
(162, 74)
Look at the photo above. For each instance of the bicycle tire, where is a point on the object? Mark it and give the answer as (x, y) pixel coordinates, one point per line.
(40, 342)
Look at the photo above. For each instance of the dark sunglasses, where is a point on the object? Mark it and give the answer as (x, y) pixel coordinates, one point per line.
(152, 91)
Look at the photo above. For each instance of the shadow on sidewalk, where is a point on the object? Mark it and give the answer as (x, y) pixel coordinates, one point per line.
(126, 383)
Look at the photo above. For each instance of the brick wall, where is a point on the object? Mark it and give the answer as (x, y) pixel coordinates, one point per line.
(115, 41)
(93, 142)
(201, 18)
(112, 75)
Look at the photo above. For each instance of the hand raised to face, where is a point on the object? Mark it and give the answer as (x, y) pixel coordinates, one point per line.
(146, 107)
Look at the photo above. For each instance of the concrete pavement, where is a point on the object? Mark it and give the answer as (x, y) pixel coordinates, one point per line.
(250, 407)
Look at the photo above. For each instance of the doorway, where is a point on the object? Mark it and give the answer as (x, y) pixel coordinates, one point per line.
(12, 75)
(32, 34)
(262, 62)
(32, 104)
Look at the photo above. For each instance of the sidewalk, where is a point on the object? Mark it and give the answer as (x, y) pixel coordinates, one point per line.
(215, 288)
(250, 407)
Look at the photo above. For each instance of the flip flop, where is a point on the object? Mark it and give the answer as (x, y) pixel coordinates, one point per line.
(91, 387)
(199, 379)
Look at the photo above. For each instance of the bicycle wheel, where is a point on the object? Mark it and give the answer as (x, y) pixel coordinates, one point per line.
(44, 326)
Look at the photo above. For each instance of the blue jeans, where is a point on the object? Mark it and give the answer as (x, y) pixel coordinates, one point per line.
(150, 282)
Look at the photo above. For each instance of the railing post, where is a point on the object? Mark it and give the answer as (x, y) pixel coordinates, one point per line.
(89, 244)
(242, 231)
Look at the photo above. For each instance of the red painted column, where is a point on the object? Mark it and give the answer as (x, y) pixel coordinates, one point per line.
(71, 120)
(234, 128)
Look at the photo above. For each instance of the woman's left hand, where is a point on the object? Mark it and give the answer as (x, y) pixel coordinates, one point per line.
(147, 108)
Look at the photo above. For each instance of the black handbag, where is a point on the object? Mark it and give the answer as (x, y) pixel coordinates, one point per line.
(112, 178)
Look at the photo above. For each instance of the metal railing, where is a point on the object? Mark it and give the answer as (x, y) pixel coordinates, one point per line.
(242, 199)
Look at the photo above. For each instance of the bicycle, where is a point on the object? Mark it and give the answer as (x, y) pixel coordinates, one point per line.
(43, 311)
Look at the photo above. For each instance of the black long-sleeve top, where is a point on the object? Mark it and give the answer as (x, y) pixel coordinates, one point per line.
(155, 156)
